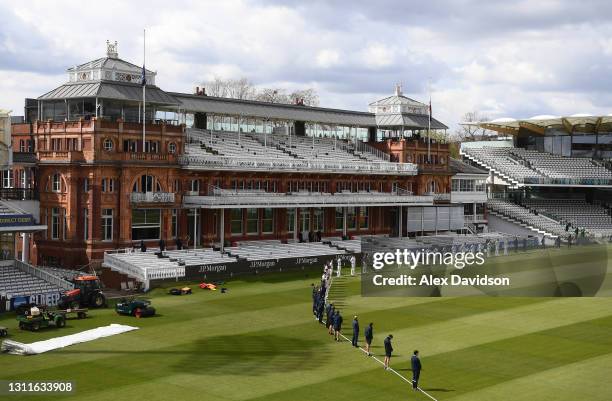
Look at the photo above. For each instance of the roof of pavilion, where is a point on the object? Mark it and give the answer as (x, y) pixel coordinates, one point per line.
(278, 111)
(539, 124)
(110, 90)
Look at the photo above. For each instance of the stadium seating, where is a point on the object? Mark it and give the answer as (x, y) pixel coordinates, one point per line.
(536, 222)
(519, 165)
(15, 282)
(224, 149)
(580, 214)
(280, 251)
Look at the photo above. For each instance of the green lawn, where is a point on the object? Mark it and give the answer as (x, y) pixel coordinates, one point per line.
(259, 342)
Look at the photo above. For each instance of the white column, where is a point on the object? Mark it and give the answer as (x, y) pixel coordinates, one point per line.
(24, 247)
(195, 227)
(436, 221)
(344, 222)
(295, 224)
(400, 221)
(222, 229)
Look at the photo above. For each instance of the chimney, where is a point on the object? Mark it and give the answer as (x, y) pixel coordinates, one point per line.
(197, 91)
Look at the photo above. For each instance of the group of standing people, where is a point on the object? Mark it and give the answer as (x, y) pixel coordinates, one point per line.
(334, 320)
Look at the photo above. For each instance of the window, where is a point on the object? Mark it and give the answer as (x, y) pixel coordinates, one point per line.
(64, 224)
(108, 185)
(339, 219)
(147, 183)
(85, 224)
(56, 185)
(23, 175)
(236, 221)
(480, 208)
(146, 224)
(174, 226)
(290, 220)
(7, 179)
(455, 185)
(267, 221)
(172, 147)
(177, 185)
(252, 219)
(107, 224)
(55, 216)
(108, 144)
(363, 218)
(468, 209)
(86, 186)
(351, 218)
(22, 145)
(318, 220)
(151, 146)
(195, 186)
(129, 145)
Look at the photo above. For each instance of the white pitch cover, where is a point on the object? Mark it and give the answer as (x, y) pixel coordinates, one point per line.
(17, 348)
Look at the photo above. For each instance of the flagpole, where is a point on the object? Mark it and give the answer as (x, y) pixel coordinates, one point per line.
(144, 87)
(429, 127)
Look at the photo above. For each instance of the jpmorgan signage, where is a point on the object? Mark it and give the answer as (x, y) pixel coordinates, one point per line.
(242, 266)
(152, 197)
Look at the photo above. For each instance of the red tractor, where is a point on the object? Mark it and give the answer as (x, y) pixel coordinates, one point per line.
(87, 292)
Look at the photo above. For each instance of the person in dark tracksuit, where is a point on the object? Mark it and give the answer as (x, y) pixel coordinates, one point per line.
(321, 309)
(330, 319)
(337, 325)
(388, 350)
(416, 369)
(369, 335)
(355, 331)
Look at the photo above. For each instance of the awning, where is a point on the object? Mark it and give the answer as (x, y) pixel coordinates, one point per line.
(233, 200)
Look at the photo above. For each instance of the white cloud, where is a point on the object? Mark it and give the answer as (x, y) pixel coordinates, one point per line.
(504, 59)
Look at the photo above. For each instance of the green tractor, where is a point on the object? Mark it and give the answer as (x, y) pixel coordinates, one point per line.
(36, 318)
(135, 307)
(87, 292)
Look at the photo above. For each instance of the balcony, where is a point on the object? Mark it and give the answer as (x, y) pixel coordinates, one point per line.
(19, 194)
(59, 156)
(439, 197)
(152, 197)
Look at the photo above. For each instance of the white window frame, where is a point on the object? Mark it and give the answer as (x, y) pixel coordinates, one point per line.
(108, 144)
(55, 224)
(107, 222)
(56, 183)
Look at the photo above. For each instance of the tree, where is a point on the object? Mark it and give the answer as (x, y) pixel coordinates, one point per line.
(271, 95)
(469, 130)
(243, 89)
(307, 97)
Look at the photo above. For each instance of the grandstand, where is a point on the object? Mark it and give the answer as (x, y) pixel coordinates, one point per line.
(595, 219)
(522, 166)
(538, 223)
(21, 281)
(225, 149)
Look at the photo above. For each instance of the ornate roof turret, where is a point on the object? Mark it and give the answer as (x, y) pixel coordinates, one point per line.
(110, 68)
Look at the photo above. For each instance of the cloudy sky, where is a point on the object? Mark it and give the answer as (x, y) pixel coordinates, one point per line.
(501, 58)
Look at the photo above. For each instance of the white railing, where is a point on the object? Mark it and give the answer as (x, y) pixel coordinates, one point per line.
(223, 162)
(44, 275)
(364, 147)
(152, 197)
(144, 274)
